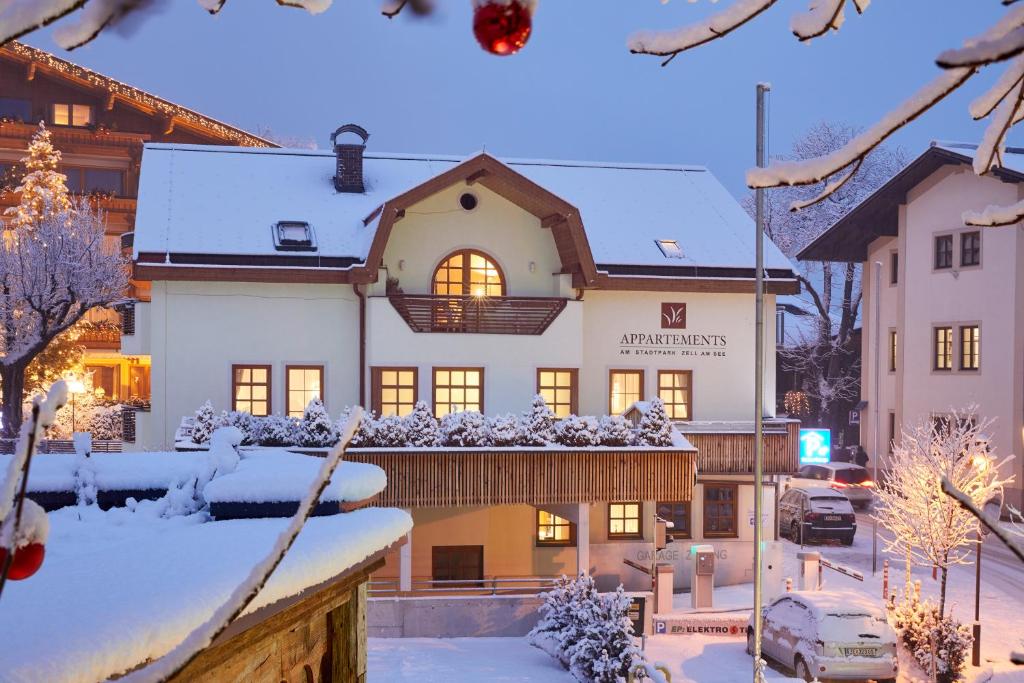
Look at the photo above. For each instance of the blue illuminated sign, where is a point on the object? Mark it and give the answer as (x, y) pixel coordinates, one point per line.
(815, 446)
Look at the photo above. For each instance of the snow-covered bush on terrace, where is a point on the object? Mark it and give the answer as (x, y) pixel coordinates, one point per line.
(421, 428)
(506, 430)
(316, 430)
(205, 422)
(246, 424)
(561, 624)
(364, 436)
(105, 423)
(538, 423)
(613, 430)
(921, 627)
(655, 428)
(390, 432)
(276, 430)
(577, 431)
(465, 429)
(605, 652)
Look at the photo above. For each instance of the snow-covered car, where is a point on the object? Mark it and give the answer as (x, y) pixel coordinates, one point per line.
(817, 514)
(851, 480)
(828, 635)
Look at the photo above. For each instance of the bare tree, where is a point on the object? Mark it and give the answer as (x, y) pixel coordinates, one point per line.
(50, 275)
(825, 354)
(928, 526)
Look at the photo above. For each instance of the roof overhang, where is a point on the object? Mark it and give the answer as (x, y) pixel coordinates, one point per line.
(878, 215)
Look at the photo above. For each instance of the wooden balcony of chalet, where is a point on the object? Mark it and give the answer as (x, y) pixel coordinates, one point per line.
(728, 447)
(477, 314)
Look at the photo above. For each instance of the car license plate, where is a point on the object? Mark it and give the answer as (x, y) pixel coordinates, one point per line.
(832, 518)
(862, 652)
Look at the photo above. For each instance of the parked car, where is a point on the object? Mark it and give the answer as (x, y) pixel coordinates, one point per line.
(828, 635)
(852, 480)
(817, 514)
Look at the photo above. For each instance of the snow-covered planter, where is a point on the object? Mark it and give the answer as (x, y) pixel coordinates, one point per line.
(316, 430)
(421, 427)
(577, 431)
(465, 429)
(507, 430)
(538, 423)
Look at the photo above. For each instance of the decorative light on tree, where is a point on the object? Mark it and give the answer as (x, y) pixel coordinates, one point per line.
(502, 27)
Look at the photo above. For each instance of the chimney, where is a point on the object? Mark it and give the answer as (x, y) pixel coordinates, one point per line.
(349, 174)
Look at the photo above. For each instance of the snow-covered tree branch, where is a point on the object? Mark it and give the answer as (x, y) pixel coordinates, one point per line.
(927, 525)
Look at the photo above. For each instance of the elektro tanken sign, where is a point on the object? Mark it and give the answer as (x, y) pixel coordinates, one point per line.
(815, 446)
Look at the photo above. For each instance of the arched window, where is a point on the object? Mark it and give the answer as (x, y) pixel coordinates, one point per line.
(468, 273)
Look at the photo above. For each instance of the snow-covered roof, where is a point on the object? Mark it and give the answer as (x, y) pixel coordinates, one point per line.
(275, 475)
(199, 199)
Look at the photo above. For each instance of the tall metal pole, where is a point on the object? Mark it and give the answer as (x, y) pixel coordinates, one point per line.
(877, 292)
(976, 647)
(762, 161)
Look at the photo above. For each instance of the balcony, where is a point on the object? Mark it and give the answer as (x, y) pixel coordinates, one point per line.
(477, 315)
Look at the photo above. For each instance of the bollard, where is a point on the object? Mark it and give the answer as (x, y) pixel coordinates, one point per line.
(820, 570)
(885, 580)
(789, 584)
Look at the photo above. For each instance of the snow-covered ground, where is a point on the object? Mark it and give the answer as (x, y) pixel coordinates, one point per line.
(451, 660)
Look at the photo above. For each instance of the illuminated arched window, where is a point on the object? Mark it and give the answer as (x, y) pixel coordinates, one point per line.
(468, 272)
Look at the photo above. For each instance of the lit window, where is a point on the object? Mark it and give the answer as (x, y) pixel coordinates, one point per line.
(72, 114)
(304, 383)
(970, 347)
(294, 236)
(970, 248)
(468, 272)
(944, 251)
(558, 387)
(625, 387)
(720, 511)
(394, 391)
(554, 530)
(943, 348)
(678, 513)
(458, 389)
(624, 520)
(250, 389)
(676, 391)
(670, 248)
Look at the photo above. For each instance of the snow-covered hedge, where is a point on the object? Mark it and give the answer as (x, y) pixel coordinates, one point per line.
(420, 429)
(588, 632)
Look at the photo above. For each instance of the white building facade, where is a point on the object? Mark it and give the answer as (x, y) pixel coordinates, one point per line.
(950, 301)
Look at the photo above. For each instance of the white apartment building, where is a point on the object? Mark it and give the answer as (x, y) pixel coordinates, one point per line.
(951, 300)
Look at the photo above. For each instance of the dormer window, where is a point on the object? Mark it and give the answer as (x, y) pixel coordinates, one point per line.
(72, 115)
(670, 248)
(294, 236)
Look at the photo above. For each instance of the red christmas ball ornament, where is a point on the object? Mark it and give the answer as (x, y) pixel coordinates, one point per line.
(502, 27)
(27, 561)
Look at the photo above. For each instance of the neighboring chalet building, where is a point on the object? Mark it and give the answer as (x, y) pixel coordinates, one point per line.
(100, 126)
(951, 299)
(278, 276)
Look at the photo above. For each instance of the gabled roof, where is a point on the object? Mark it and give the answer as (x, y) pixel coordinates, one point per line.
(878, 215)
(36, 59)
(204, 205)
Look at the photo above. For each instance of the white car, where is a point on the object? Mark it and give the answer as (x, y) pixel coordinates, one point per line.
(828, 635)
(852, 480)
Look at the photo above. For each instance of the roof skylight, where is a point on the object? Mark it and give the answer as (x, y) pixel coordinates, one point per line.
(670, 248)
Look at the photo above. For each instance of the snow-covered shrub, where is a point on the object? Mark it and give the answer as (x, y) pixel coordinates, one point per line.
(921, 628)
(364, 436)
(577, 431)
(246, 424)
(613, 430)
(421, 428)
(105, 423)
(506, 430)
(222, 457)
(562, 616)
(538, 423)
(655, 428)
(468, 428)
(390, 432)
(205, 422)
(605, 652)
(316, 430)
(276, 430)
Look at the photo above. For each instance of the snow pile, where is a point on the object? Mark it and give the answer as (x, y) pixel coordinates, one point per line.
(92, 612)
(275, 476)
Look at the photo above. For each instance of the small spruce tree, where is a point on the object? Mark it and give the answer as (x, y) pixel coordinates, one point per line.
(605, 652)
(204, 423)
(577, 431)
(613, 430)
(466, 429)
(506, 430)
(390, 432)
(421, 427)
(538, 423)
(655, 428)
(316, 429)
(276, 430)
(364, 436)
(44, 189)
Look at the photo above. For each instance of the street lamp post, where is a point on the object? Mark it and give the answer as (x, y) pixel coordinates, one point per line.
(75, 387)
(993, 508)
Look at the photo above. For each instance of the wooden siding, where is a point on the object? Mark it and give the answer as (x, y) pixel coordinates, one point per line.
(445, 478)
(733, 453)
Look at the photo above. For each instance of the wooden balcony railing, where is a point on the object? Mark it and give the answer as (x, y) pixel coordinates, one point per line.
(477, 315)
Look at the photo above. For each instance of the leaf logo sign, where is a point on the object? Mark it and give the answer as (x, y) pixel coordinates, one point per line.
(673, 316)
